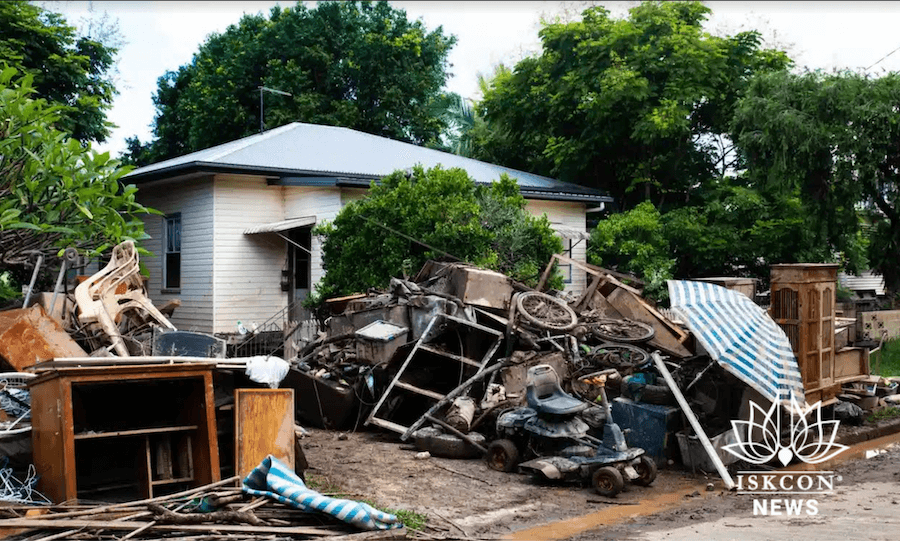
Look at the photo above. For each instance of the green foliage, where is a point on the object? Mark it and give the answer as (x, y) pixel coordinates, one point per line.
(54, 192)
(834, 139)
(884, 414)
(739, 231)
(409, 218)
(635, 241)
(70, 71)
(640, 107)
(360, 65)
(886, 362)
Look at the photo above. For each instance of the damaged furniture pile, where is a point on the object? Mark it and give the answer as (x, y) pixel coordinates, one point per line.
(441, 358)
(153, 433)
(104, 400)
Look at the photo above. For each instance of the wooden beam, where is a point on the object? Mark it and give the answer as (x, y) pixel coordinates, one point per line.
(68, 523)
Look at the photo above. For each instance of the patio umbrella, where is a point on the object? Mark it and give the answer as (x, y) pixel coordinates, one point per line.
(740, 336)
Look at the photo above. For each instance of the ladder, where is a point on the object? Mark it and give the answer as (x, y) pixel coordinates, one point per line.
(378, 417)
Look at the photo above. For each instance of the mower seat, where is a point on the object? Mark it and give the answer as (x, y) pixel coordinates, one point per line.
(544, 394)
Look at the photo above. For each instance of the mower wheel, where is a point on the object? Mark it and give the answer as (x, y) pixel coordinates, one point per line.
(607, 481)
(646, 470)
(502, 455)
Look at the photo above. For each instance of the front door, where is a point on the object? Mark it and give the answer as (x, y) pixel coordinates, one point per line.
(301, 271)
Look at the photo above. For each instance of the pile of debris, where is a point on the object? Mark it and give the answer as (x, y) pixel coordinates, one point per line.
(463, 361)
(439, 358)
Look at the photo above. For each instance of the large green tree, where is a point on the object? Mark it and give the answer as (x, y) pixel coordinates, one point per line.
(54, 192)
(738, 230)
(834, 138)
(408, 218)
(68, 70)
(361, 65)
(640, 107)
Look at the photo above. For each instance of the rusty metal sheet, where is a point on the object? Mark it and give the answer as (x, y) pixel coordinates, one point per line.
(29, 336)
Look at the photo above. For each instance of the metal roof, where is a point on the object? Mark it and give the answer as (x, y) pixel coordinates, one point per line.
(298, 153)
(283, 225)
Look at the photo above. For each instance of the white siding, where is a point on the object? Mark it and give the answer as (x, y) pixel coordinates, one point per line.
(572, 216)
(194, 200)
(322, 202)
(247, 268)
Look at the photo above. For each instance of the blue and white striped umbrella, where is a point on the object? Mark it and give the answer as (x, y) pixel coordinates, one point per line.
(740, 336)
(275, 480)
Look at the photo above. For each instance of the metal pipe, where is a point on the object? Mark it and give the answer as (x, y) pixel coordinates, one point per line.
(34, 275)
(695, 424)
(62, 272)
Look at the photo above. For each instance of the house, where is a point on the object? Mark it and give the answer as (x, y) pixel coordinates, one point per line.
(867, 284)
(235, 243)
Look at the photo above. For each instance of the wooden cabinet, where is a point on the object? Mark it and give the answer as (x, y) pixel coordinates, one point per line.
(803, 305)
(124, 431)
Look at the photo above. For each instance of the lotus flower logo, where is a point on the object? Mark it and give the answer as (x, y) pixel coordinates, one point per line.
(812, 442)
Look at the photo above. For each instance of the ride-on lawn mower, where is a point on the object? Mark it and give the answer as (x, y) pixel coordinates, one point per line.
(554, 439)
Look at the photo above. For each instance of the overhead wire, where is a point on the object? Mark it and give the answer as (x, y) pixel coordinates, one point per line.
(882, 58)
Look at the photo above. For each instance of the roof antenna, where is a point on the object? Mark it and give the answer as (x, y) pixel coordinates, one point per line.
(262, 125)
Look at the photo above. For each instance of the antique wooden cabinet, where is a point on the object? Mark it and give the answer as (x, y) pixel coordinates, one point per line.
(803, 305)
(124, 431)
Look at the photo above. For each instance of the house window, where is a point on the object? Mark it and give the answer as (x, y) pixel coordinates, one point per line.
(172, 253)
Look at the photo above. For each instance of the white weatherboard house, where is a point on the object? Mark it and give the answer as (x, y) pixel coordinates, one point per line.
(235, 242)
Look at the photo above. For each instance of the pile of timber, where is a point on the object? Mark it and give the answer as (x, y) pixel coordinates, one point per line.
(234, 516)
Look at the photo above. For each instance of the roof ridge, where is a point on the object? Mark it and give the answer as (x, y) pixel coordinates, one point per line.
(257, 138)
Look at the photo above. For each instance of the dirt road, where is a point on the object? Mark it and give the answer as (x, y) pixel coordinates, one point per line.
(464, 498)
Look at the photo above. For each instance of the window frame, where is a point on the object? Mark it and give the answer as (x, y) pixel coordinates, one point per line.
(169, 222)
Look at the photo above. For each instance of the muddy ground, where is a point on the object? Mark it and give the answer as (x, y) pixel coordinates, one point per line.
(460, 497)
(464, 499)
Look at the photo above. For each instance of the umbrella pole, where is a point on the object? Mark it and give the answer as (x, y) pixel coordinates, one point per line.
(710, 450)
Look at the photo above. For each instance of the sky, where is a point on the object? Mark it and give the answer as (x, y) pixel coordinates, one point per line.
(162, 35)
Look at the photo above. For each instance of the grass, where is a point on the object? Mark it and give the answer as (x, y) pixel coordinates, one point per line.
(881, 415)
(886, 363)
(412, 520)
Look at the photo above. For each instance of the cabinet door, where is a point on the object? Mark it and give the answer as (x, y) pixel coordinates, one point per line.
(263, 425)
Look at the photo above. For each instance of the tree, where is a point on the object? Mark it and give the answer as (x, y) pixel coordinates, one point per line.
(635, 242)
(639, 107)
(409, 218)
(54, 193)
(353, 64)
(835, 138)
(71, 71)
(738, 230)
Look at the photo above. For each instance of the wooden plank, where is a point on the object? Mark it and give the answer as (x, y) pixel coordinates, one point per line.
(546, 274)
(630, 307)
(49, 421)
(136, 432)
(263, 425)
(388, 425)
(49, 524)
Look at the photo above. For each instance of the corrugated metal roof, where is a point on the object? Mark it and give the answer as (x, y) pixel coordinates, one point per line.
(866, 281)
(283, 225)
(299, 149)
(570, 232)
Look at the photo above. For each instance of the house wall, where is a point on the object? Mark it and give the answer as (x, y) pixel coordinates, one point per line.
(194, 200)
(247, 268)
(323, 202)
(571, 215)
(228, 276)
